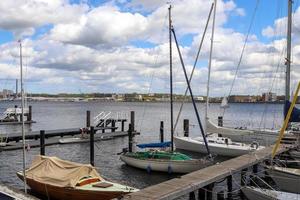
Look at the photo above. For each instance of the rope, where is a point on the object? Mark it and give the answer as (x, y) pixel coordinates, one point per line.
(243, 49)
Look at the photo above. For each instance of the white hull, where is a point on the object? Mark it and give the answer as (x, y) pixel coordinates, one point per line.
(265, 138)
(287, 179)
(254, 193)
(81, 140)
(195, 145)
(161, 165)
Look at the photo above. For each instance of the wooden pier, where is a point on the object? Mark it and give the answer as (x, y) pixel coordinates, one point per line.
(204, 178)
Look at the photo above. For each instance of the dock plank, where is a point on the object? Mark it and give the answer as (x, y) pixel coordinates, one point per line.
(178, 187)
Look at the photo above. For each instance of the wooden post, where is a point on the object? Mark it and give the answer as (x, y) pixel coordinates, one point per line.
(29, 116)
(255, 168)
(220, 121)
(243, 174)
(132, 120)
(92, 146)
(42, 142)
(209, 191)
(229, 186)
(202, 193)
(186, 127)
(220, 195)
(192, 196)
(129, 138)
(103, 122)
(122, 126)
(161, 131)
(88, 118)
(113, 125)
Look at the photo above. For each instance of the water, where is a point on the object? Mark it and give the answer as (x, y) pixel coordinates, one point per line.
(56, 115)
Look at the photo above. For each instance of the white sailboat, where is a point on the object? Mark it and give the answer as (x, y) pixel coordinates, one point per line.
(166, 161)
(218, 145)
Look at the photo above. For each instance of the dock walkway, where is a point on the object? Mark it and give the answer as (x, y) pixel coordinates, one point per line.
(191, 182)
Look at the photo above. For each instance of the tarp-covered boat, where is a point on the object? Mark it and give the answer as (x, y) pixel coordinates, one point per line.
(64, 180)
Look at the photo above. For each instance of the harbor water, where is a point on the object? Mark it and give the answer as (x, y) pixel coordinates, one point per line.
(57, 115)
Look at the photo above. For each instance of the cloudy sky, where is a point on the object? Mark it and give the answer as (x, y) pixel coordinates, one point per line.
(81, 46)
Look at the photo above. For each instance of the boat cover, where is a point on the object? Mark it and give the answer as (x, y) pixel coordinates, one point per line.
(295, 116)
(154, 145)
(57, 172)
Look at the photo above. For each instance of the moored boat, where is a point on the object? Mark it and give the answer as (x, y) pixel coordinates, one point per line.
(255, 193)
(60, 179)
(287, 179)
(218, 145)
(163, 161)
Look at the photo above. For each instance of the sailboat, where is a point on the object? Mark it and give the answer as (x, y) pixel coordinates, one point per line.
(256, 193)
(264, 136)
(218, 144)
(162, 160)
(61, 179)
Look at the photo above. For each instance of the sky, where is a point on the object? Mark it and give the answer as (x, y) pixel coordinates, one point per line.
(122, 46)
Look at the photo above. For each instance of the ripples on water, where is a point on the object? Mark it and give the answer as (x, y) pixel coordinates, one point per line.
(56, 115)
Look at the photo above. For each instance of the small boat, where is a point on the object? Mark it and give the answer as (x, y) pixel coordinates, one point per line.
(164, 161)
(81, 140)
(60, 179)
(255, 193)
(218, 145)
(287, 179)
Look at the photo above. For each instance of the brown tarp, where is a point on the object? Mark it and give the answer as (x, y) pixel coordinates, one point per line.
(57, 172)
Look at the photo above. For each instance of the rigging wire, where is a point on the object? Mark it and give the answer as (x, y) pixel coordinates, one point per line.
(153, 73)
(243, 49)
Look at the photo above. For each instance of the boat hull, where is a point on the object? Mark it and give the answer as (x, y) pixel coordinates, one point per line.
(175, 166)
(265, 138)
(256, 195)
(64, 193)
(190, 144)
(286, 181)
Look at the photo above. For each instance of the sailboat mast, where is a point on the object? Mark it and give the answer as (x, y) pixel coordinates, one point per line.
(22, 118)
(288, 53)
(210, 57)
(171, 78)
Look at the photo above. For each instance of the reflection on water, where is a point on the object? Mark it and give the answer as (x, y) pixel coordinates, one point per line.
(56, 115)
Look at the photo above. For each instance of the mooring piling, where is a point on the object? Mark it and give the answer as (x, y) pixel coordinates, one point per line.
(92, 131)
(88, 118)
(42, 142)
(161, 131)
(220, 120)
(130, 137)
(186, 128)
(229, 186)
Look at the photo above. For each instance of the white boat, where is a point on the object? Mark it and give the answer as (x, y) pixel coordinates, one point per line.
(263, 137)
(164, 162)
(287, 179)
(295, 154)
(81, 140)
(222, 146)
(255, 193)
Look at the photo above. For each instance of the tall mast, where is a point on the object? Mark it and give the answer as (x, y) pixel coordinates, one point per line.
(288, 52)
(22, 118)
(210, 57)
(171, 78)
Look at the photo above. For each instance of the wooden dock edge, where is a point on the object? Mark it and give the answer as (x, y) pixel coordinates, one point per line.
(191, 182)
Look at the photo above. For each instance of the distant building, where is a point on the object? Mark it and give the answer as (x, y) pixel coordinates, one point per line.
(242, 98)
(269, 97)
(5, 94)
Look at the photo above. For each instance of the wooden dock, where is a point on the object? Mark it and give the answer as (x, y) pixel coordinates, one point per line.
(33, 142)
(187, 184)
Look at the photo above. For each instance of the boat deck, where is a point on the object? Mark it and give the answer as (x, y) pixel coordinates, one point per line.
(7, 193)
(188, 183)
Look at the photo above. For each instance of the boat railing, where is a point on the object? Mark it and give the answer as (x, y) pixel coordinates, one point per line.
(255, 177)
